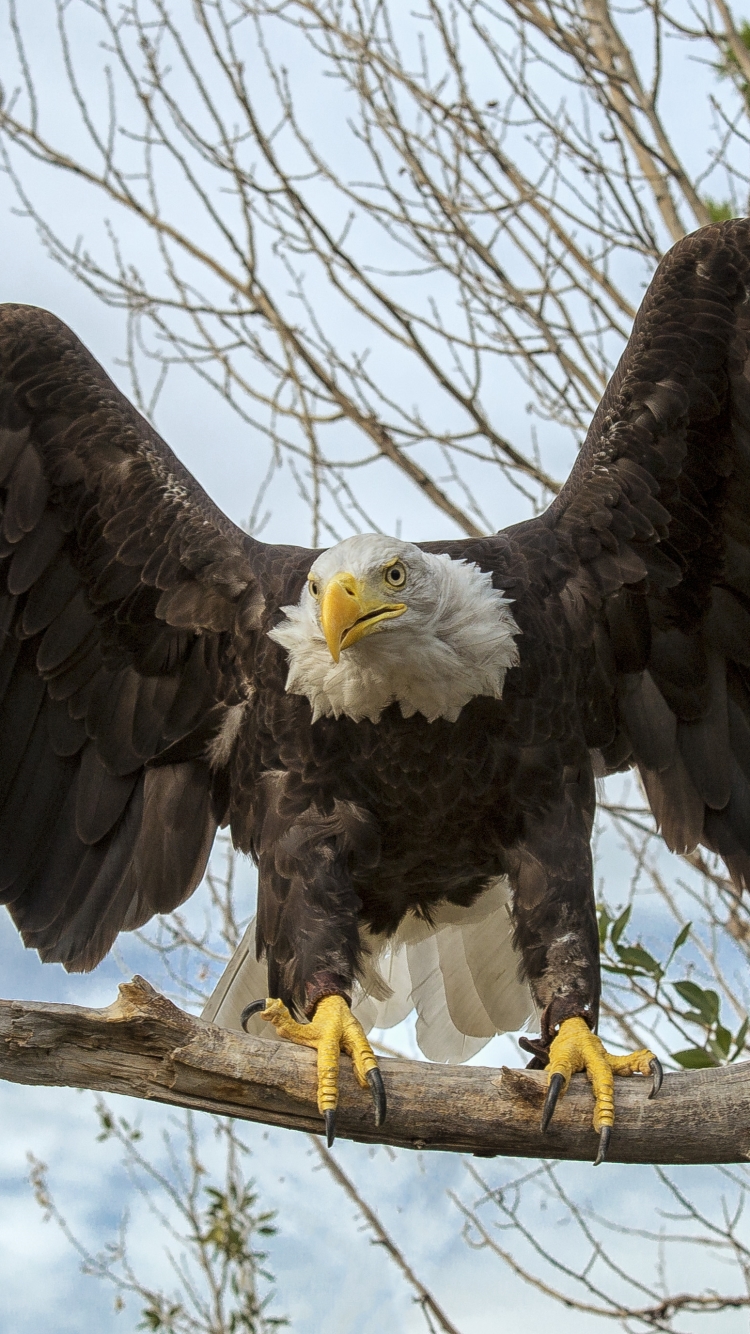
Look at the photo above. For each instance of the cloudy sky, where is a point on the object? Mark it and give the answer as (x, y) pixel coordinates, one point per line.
(329, 1274)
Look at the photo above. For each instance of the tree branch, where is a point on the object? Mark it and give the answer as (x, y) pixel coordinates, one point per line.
(142, 1045)
(116, 189)
(424, 1297)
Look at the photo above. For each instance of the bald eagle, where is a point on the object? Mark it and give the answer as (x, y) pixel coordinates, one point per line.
(404, 736)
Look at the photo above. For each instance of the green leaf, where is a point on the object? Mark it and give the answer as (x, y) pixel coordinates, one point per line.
(739, 1041)
(705, 1002)
(723, 1040)
(619, 972)
(689, 992)
(694, 1058)
(711, 1006)
(605, 921)
(680, 940)
(693, 1017)
(619, 926)
(158, 1316)
(718, 210)
(637, 957)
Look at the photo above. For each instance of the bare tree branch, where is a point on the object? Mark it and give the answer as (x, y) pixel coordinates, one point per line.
(142, 1045)
(424, 1298)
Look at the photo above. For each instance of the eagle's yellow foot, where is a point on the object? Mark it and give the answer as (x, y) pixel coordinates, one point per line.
(577, 1048)
(332, 1029)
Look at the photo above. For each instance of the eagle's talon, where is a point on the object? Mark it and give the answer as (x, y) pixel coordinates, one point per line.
(375, 1080)
(657, 1070)
(331, 1030)
(577, 1048)
(554, 1089)
(254, 1007)
(605, 1135)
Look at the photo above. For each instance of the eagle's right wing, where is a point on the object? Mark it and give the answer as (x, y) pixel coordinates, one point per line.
(127, 601)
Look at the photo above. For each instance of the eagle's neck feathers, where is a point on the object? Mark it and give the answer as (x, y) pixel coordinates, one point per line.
(455, 641)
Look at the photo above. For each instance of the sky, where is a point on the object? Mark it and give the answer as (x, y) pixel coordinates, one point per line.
(329, 1275)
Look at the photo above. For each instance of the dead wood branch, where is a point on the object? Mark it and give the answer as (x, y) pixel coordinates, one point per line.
(142, 1045)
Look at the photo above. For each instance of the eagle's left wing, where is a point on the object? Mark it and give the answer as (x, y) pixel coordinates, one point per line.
(654, 525)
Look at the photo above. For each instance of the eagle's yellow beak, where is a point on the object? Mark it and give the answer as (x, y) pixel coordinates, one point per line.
(349, 610)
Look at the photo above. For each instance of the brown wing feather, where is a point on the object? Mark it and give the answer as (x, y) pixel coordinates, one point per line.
(121, 589)
(655, 519)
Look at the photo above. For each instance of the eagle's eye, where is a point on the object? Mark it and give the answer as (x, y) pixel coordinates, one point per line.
(314, 587)
(395, 575)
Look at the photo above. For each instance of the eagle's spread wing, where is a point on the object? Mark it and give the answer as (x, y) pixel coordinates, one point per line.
(123, 595)
(655, 521)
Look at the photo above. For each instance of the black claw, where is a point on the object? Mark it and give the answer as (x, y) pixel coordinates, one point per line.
(375, 1080)
(605, 1135)
(330, 1120)
(254, 1008)
(657, 1070)
(550, 1102)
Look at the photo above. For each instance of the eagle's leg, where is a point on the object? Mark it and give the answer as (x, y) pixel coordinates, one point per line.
(331, 1030)
(556, 928)
(576, 1048)
(309, 930)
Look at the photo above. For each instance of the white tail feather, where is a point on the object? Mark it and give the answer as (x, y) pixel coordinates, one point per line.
(244, 979)
(460, 973)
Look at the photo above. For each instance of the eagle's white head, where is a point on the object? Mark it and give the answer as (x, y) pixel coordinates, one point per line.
(380, 621)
